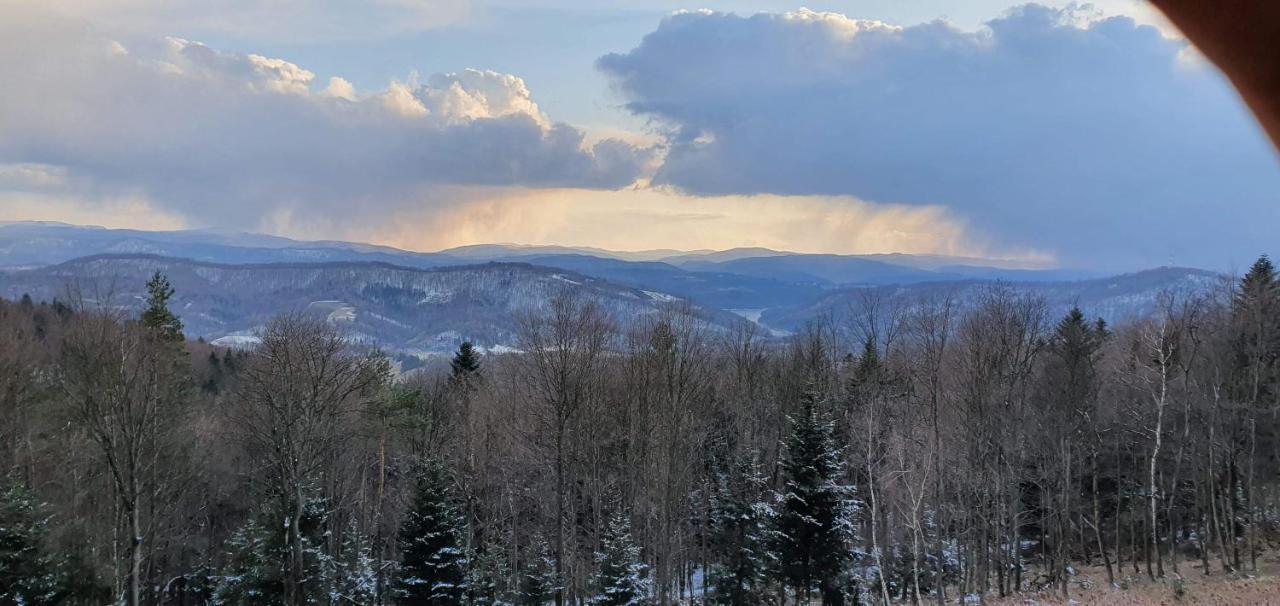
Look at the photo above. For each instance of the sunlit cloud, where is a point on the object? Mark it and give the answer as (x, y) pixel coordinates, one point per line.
(644, 219)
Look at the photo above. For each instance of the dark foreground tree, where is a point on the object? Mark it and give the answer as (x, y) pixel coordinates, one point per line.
(740, 532)
(433, 568)
(814, 529)
(27, 575)
(261, 556)
(538, 579)
(623, 579)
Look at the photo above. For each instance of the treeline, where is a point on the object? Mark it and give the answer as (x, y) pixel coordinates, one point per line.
(914, 450)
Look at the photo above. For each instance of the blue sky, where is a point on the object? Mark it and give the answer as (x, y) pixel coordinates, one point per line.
(1055, 134)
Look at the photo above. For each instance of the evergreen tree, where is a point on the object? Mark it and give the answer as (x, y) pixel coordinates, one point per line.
(157, 316)
(814, 529)
(27, 576)
(739, 533)
(1070, 368)
(487, 577)
(1256, 319)
(260, 555)
(465, 366)
(622, 579)
(538, 579)
(352, 575)
(434, 565)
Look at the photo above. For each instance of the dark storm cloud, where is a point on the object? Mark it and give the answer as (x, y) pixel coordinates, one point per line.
(1096, 137)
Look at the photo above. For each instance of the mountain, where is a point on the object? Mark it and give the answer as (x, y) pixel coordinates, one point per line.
(34, 244)
(820, 270)
(416, 311)
(495, 252)
(750, 279)
(1113, 298)
(720, 256)
(721, 290)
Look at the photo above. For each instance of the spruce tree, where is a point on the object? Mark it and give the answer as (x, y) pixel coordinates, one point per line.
(27, 575)
(487, 577)
(813, 527)
(352, 575)
(158, 316)
(259, 556)
(622, 579)
(433, 566)
(538, 579)
(465, 366)
(739, 533)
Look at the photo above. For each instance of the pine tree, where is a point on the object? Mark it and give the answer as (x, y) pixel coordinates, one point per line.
(27, 576)
(157, 316)
(434, 565)
(814, 528)
(538, 579)
(260, 555)
(740, 532)
(622, 579)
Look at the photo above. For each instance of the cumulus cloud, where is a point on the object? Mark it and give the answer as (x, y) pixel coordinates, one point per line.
(1092, 136)
(228, 138)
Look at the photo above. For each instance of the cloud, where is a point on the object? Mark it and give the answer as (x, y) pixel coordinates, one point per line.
(227, 138)
(649, 218)
(1092, 136)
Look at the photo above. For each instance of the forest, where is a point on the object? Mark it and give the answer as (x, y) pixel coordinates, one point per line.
(908, 451)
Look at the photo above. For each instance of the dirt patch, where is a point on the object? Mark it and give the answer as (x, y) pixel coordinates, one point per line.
(1090, 588)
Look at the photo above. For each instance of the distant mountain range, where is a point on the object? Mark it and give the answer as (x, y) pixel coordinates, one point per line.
(405, 309)
(420, 302)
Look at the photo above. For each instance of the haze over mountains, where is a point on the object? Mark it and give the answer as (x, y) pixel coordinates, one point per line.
(421, 303)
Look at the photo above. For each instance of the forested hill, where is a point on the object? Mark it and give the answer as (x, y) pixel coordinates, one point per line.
(403, 309)
(1115, 298)
(976, 445)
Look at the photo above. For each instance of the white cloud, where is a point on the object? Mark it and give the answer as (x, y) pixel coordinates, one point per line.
(227, 138)
(1086, 134)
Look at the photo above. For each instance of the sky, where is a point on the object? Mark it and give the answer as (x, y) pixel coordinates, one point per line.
(1057, 134)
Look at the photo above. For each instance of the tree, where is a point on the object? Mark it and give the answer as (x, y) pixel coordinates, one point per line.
(126, 390)
(261, 551)
(487, 577)
(1069, 386)
(564, 353)
(538, 579)
(157, 315)
(465, 366)
(740, 534)
(301, 388)
(814, 528)
(351, 574)
(433, 567)
(27, 573)
(622, 579)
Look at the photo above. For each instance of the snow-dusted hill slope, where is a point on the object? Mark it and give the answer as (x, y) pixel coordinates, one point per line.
(404, 309)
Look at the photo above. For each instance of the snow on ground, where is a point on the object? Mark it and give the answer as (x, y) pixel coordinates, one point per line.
(661, 296)
(237, 341)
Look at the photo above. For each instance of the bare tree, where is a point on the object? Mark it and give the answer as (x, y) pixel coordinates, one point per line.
(302, 384)
(563, 350)
(124, 385)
